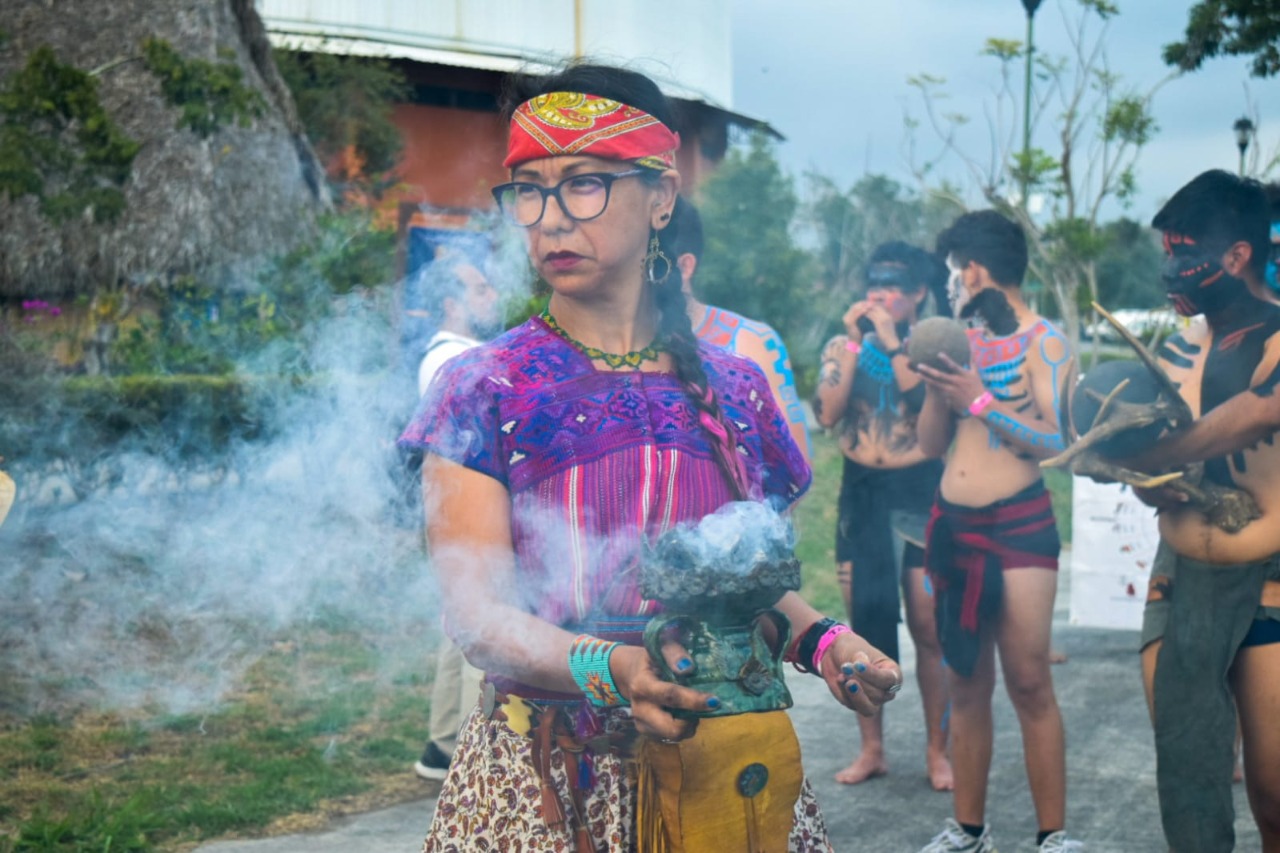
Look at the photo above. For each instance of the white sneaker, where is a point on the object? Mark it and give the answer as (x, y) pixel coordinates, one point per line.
(953, 839)
(1059, 843)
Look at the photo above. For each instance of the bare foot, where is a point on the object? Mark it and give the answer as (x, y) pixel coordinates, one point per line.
(864, 767)
(1056, 656)
(939, 767)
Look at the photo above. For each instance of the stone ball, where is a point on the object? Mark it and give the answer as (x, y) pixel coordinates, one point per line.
(934, 336)
(1102, 380)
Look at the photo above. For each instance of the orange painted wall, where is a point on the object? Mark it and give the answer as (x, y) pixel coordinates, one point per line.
(451, 157)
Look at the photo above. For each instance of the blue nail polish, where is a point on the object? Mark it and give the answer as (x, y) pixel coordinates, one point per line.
(847, 669)
(713, 703)
(852, 687)
(683, 664)
(860, 667)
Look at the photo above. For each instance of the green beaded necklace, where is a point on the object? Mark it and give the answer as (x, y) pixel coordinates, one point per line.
(615, 360)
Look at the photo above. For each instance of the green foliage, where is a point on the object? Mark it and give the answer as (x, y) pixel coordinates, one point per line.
(1129, 267)
(815, 519)
(850, 224)
(58, 143)
(1036, 168)
(752, 264)
(345, 104)
(201, 329)
(1099, 128)
(1230, 28)
(208, 95)
(85, 421)
(96, 825)
(1128, 119)
(311, 724)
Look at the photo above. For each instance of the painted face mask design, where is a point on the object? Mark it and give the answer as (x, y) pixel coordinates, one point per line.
(956, 293)
(1194, 279)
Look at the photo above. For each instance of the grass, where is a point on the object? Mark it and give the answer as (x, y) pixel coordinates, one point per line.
(319, 728)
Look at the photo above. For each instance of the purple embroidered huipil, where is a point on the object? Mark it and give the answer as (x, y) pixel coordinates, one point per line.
(597, 461)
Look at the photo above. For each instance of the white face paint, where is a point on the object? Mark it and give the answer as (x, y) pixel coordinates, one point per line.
(957, 294)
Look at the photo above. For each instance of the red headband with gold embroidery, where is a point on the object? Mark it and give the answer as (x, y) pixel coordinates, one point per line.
(562, 123)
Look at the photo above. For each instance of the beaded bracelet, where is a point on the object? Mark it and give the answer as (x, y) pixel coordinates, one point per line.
(589, 665)
(980, 402)
(825, 643)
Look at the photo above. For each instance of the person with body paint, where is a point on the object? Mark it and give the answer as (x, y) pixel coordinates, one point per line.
(1211, 626)
(1247, 418)
(553, 455)
(869, 393)
(740, 335)
(992, 542)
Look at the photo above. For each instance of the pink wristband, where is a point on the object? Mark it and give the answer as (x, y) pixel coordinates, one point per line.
(853, 346)
(980, 402)
(825, 643)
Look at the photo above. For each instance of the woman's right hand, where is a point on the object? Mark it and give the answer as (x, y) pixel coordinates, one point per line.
(652, 697)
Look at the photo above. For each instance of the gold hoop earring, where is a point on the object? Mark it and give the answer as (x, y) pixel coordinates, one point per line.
(656, 259)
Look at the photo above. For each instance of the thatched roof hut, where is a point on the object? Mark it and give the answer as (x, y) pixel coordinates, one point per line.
(193, 204)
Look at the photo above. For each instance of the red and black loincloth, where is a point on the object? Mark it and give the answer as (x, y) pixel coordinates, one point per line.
(966, 551)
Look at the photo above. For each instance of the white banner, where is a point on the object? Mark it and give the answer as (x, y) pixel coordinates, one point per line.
(1113, 543)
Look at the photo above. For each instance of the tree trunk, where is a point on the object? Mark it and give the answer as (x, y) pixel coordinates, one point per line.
(211, 206)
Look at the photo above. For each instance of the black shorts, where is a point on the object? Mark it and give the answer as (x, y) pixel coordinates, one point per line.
(905, 495)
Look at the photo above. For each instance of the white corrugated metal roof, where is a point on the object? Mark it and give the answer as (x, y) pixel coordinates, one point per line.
(682, 45)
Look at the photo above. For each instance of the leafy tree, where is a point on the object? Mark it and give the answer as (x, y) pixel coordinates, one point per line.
(345, 105)
(849, 225)
(1100, 127)
(1231, 28)
(751, 262)
(1129, 266)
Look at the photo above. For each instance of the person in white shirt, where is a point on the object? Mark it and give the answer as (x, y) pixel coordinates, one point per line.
(461, 299)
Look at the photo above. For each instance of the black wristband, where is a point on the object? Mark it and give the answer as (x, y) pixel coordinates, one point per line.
(808, 644)
(889, 354)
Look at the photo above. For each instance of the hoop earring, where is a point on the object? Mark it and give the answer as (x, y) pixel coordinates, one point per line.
(656, 259)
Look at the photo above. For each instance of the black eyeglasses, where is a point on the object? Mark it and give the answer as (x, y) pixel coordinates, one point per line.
(581, 197)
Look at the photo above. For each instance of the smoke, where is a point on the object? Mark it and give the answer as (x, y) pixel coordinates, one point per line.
(732, 540)
(161, 586)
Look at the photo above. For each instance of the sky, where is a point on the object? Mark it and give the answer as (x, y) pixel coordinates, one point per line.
(831, 76)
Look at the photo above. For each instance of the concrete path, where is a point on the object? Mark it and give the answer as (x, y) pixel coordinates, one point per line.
(1110, 768)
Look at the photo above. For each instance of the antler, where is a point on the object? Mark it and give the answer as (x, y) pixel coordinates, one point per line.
(1228, 509)
(1167, 387)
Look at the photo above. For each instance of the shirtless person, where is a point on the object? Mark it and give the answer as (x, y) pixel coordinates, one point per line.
(992, 543)
(867, 390)
(1246, 418)
(1211, 629)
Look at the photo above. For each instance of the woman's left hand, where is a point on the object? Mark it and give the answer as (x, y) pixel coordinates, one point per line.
(859, 676)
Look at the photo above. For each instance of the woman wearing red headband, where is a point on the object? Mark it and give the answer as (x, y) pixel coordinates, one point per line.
(553, 454)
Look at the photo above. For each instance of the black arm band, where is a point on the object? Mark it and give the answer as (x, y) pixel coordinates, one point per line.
(808, 644)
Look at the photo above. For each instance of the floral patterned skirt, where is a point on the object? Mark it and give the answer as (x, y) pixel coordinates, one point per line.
(491, 800)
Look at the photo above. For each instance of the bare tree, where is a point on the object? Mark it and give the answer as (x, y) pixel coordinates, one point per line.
(1100, 127)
